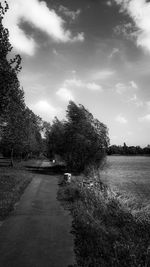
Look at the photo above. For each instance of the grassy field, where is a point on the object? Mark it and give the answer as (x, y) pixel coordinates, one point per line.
(13, 182)
(129, 178)
(108, 231)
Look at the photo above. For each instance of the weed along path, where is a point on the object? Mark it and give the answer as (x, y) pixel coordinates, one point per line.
(37, 234)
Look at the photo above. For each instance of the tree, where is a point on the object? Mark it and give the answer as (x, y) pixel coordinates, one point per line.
(10, 91)
(88, 138)
(81, 140)
(20, 127)
(56, 139)
(22, 134)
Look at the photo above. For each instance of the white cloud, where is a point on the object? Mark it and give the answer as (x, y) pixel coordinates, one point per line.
(134, 99)
(139, 11)
(121, 119)
(81, 84)
(102, 75)
(69, 13)
(94, 87)
(128, 30)
(44, 109)
(73, 82)
(55, 52)
(145, 118)
(38, 15)
(133, 84)
(114, 52)
(109, 3)
(148, 105)
(65, 94)
(122, 87)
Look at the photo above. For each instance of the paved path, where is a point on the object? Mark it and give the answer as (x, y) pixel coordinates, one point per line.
(37, 234)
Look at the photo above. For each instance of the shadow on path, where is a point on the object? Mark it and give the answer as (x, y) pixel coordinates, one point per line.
(51, 170)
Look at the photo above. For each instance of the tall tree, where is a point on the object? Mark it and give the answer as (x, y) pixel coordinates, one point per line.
(10, 91)
(20, 127)
(81, 140)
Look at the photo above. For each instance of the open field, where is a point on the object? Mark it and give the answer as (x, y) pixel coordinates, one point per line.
(129, 176)
(13, 182)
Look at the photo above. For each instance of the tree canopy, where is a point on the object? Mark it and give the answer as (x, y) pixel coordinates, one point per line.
(20, 128)
(81, 140)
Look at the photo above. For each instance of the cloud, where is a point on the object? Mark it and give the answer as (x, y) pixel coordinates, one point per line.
(133, 85)
(44, 109)
(145, 118)
(81, 84)
(122, 87)
(128, 30)
(69, 13)
(109, 3)
(65, 94)
(139, 11)
(102, 75)
(121, 119)
(38, 15)
(134, 99)
(94, 87)
(55, 52)
(114, 52)
(73, 82)
(148, 105)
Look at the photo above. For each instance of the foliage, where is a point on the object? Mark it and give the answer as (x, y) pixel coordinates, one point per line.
(128, 150)
(81, 140)
(19, 127)
(10, 91)
(22, 134)
(106, 232)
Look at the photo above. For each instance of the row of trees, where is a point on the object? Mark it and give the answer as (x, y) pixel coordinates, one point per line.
(20, 128)
(128, 150)
(80, 140)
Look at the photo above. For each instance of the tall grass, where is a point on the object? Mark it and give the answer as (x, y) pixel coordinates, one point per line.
(109, 230)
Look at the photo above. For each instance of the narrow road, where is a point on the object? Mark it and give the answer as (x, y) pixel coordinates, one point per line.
(37, 234)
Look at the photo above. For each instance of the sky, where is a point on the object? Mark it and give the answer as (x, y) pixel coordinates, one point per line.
(94, 52)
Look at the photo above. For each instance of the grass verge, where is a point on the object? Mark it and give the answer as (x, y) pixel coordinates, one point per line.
(108, 231)
(13, 182)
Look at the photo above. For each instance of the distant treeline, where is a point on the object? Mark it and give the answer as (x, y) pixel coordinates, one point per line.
(128, 150)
